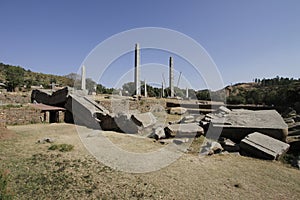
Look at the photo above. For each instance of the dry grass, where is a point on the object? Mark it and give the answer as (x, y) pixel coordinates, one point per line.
(39, 173)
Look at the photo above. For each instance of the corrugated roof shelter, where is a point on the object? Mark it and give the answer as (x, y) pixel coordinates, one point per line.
(53, 111)
(45, 107)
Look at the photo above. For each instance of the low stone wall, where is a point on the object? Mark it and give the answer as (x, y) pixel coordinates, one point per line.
(22, 115)
(2, 119)
(143, 105)
(25, 115)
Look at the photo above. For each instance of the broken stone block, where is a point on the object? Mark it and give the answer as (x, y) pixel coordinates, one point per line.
(87, 112)
(239, 123)
(199, 118)
(188, 119)
(292, 113)
(263, 146)
(144, 119)
(293, 133)
(177, 111)
(204, 123)
(175, 122)
(124, 122)
(297, 118)
(180, 141)
(294, 126)
(229, 145)
(289, 121)
(224, 109)
(159, 133)
(216, 147)
(184, 130)
(210, 148)
(211, 116)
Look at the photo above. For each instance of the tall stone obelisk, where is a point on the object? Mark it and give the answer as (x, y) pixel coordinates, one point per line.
(162, 90)
(137, 70)
(145, 87)
(171, 77)
(83, 78)
(187, 93)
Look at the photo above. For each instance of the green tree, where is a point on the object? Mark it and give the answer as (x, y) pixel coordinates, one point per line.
(14, 77)
(103, 90)
(179, 92)
(129, 88)
(90, 85)
(271, 98)
(236, 100)
(203, 95)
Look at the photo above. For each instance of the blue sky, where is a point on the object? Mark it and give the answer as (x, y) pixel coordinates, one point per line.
(246, 39)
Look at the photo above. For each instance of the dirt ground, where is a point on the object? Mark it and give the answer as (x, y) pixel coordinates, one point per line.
(35, 172)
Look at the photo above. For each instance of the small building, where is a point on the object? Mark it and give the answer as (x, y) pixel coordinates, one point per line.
(52, 111)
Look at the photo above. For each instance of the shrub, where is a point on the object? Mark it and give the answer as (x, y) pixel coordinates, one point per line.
(61, 147)
(5, 194)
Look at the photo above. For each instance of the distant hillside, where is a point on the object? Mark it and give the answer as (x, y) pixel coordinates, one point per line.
(277, 91)
(15, 76)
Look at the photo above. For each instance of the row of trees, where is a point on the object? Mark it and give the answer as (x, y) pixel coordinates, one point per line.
(277, 92)
(275, 96)
(129, 90)
(275, 81)
(17, 77)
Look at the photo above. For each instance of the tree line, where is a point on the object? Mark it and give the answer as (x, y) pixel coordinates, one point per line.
(278, 91)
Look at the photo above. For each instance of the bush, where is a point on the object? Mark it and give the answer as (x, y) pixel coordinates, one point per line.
(4, 191)
(61, 147)
(236, 100)
(8, 106)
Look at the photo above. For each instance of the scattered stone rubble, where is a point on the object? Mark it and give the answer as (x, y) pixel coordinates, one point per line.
(259, 133)
(229, 145)
(177, 110)
(293, 139)
(210, 148)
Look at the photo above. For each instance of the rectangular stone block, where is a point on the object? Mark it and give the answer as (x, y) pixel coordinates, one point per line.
(184, 130)
(239, 123)
(263, 146)
(143, 119)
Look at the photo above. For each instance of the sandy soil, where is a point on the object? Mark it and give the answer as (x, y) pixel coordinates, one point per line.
(39, 173)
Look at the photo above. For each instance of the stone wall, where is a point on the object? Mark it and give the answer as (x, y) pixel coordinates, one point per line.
(2, 119)
(144, 105)
(22, 115)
